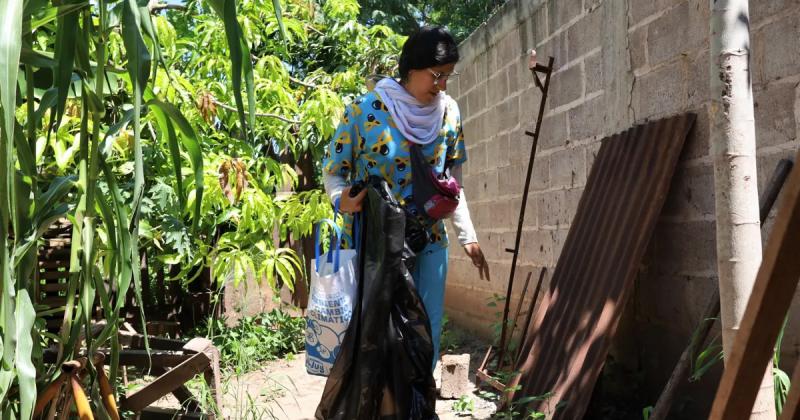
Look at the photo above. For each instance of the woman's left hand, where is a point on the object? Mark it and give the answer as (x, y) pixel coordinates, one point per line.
(478, 260)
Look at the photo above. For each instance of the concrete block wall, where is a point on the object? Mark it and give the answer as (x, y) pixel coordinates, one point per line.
(617, 63)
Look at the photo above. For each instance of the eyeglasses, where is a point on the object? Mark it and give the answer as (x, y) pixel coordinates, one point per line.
(441, 76)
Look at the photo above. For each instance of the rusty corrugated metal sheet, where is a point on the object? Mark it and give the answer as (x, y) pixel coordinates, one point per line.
(570, 336)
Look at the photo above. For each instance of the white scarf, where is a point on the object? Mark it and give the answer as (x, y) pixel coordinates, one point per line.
(420, 123)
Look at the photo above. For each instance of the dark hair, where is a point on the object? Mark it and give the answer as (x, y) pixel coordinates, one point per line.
(430, 46)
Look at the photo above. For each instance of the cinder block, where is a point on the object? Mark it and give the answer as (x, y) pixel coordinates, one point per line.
(532, 216)
(681, 29)
(472, 130)
(498, 88)
(559, 238)
(467, 79)
(774, 113)
(566, 86)
(582, 37)
(638, 47)
(687, 248)
(537, 247)
(640, 10)
(661, 92)
(591, 155)
(776, 49)
(477, 99)
(561, 12)
(539, 29)
(529, 100)
(553, 131)
(519, 75)
(759, 10)
(697, 145)
(497, 150)
(568, 167)
(691, 195)
(507, 114)
(455, 376)
(509, 48)
(593, 68)
(482, 64)
(556, 47)
(589, 120)
(540, 178)
(699, 87)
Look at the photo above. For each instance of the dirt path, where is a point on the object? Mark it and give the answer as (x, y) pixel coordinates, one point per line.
(284, 390)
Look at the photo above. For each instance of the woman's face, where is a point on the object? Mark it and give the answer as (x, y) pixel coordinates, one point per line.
(425, 84)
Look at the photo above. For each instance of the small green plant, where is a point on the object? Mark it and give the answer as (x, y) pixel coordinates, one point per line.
(451, 339)
(255, 339)
(780, 379)
(647, 412)
(464, 406)
(706, 359)
(517, 408)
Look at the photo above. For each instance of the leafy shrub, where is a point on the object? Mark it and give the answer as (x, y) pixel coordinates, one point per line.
(256, 339)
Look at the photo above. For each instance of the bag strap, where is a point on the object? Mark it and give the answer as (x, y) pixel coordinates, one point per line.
(356, 225)
(335, 239)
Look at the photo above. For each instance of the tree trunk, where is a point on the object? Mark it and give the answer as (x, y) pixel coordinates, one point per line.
(733, 149)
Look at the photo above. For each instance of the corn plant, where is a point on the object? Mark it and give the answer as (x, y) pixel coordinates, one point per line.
(84, 70)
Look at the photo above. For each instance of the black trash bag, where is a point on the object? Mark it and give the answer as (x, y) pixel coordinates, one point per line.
(383, 368)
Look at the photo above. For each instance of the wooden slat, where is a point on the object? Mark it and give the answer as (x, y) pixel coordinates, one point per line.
(155, 413)
(54, 275)
(769, 302)
(54, 263)
(53, 287)
(167, 382)
(569, 338)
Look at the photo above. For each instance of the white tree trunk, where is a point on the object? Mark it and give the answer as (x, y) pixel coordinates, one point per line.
(733, 149)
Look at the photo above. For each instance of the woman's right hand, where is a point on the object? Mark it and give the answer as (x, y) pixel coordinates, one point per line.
(349, 204)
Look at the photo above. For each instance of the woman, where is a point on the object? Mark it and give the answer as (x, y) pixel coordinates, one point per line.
(374, 136)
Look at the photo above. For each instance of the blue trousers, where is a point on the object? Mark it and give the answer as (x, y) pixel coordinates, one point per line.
(429, 276)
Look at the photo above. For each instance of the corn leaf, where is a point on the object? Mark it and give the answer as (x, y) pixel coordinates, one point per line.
(26, 372)
(66, 38)
(191, 144)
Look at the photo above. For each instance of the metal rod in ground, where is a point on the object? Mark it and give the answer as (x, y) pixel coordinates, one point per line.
(681, 370)
(515, 251)
(529, 315)
(774, 187)
(516, 316)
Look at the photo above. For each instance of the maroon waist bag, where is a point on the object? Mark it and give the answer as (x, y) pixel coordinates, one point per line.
(434, 194)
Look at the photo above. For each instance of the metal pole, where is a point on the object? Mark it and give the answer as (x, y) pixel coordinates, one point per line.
(547, 70)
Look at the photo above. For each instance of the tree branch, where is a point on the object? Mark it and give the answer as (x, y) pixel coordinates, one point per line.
(157, 7)
(258, 114)
(302, 83)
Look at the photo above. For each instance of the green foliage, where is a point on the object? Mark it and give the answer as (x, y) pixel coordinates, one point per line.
(780, 380)
(706, 359)
(256, 339)
(464, 406)
(518, 408)
(461, 17)
(118, 118)
(451, 338)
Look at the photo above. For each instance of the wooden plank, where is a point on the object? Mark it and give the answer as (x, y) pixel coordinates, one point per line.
(54, 275)
(769, 302)
(53, 287)
(166, 383)
(140, 358)
(186, 399)
(155, 413)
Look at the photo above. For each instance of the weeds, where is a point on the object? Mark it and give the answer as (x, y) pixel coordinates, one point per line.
(255, 339)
